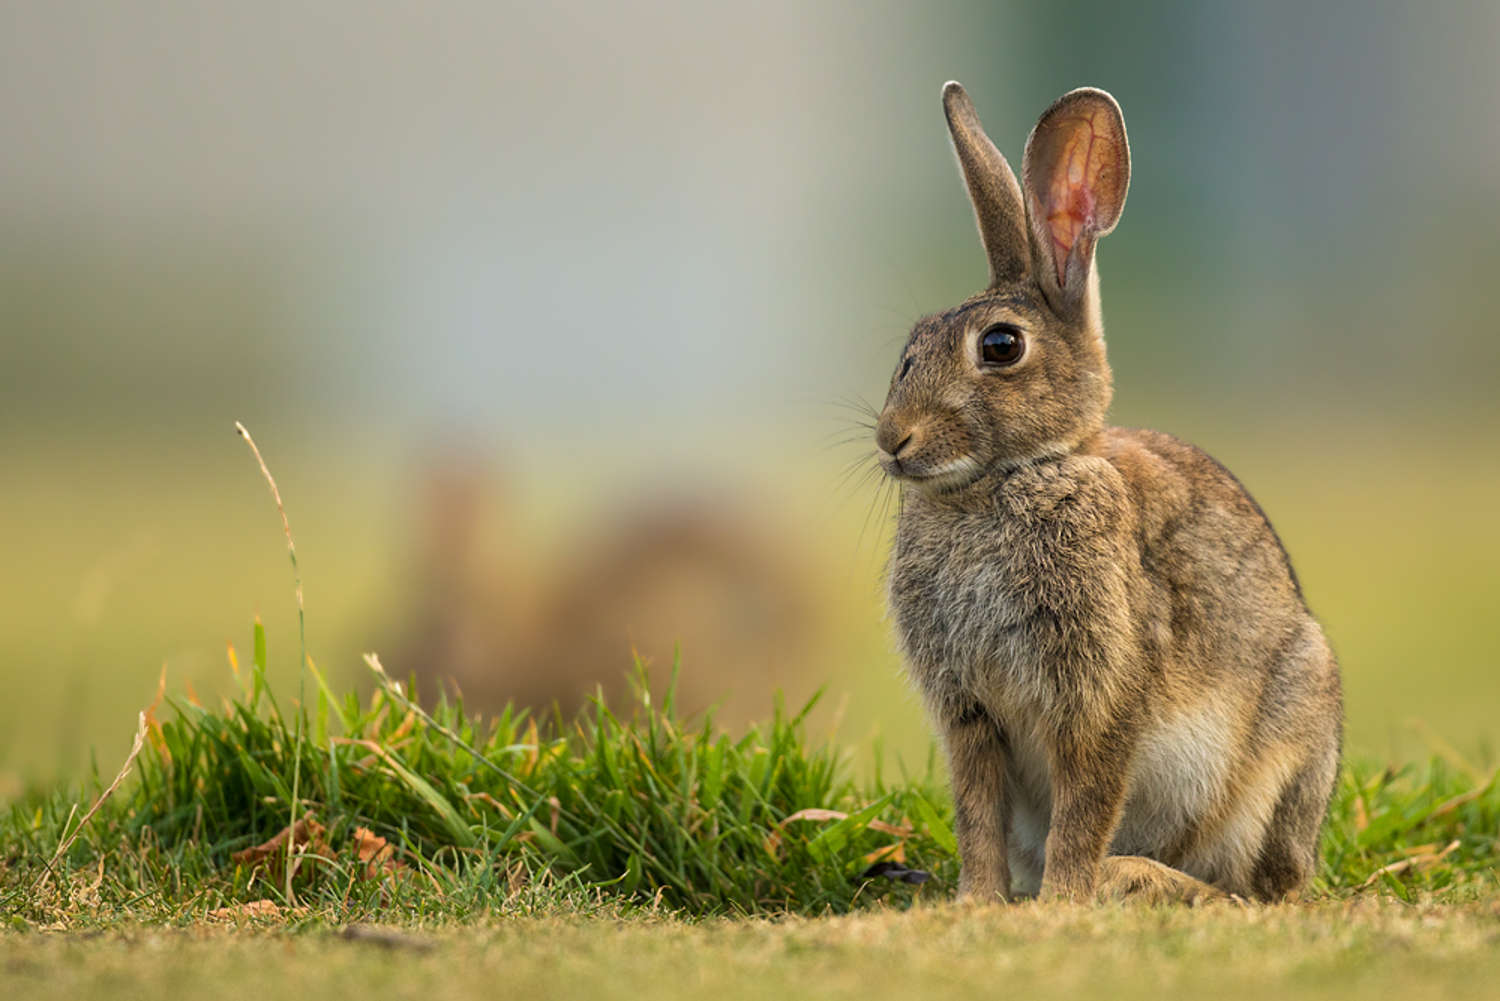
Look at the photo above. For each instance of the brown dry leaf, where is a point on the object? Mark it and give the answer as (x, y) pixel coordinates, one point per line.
(307, 842)
(253, 909)
(814, 813)
(376, 853)
(902, 831)
(772, 843)
(1416, 862)
(380, 752)
(1467, 797)
(484, 797)
(1419, 850)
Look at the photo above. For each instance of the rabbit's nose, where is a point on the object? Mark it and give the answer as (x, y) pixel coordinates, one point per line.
(892, 438)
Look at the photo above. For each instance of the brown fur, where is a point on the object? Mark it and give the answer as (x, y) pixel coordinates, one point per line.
(1133, 695)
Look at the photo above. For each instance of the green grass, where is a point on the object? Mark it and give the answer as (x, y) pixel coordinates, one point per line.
(647, 807)
(638, 810)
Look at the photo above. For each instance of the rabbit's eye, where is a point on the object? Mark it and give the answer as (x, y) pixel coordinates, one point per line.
(1002, 345)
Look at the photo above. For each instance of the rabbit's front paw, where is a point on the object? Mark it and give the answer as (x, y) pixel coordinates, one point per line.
(1076, 887)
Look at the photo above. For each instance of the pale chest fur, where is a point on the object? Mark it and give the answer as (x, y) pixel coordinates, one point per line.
(1014, 593)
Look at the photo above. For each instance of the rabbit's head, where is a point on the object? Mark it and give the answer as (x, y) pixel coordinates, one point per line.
(1016, 373)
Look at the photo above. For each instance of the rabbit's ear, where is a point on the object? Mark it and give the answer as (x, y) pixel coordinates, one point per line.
(1077, 169)
(998, 208)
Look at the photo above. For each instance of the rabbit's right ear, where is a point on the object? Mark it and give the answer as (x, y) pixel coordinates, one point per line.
(998, 208)
(1077, 170)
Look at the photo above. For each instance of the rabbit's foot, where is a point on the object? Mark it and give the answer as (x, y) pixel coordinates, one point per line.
(1137, 879)
(979, 894)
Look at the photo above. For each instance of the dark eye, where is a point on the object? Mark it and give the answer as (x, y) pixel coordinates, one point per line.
(905, 368)
(1001, 345)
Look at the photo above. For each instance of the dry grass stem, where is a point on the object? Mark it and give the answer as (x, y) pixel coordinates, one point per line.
(135, 749)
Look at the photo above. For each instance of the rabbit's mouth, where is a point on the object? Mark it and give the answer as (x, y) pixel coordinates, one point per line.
(944, 478)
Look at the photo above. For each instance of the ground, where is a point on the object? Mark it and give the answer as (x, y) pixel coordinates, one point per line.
(1366, 948)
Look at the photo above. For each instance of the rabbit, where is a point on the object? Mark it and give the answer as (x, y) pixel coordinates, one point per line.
(1133, 697)
(501, 627)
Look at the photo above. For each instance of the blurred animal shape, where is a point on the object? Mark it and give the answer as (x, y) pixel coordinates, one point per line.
(698, 572)
(1133, 696)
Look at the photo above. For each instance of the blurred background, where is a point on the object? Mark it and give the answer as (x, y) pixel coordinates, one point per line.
(545, 315)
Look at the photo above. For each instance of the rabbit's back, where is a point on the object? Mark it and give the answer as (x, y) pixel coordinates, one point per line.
(1248, 717)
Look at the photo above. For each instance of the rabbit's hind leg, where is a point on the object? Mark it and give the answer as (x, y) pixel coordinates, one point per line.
(1138, 879)
(1288, 858)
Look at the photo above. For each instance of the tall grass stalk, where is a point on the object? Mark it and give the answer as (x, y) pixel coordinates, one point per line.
(291, 550)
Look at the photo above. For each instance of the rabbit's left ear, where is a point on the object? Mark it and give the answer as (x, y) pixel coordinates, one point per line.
(1076, 172)
(993, 191)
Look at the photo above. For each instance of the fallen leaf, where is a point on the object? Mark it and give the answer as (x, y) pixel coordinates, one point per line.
(253, 909)
(307, 843)
(901, 831)
(376, 852)
(773, 840)
(1467, 797)
(1419, 850)
(1416, 862)
(813, 813)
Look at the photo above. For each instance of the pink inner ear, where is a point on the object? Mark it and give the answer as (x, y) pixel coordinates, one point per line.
(1071, 200)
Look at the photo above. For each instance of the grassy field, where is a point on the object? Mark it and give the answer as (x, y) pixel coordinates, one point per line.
(633, 852)
(368, 809)
(325, 841)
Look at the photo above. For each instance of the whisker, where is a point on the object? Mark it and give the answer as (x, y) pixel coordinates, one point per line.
(891, 260)
(844, 481)
(852, 484)
(874, 473)
(843, 442)
(846, 472)
(864, 528)
(860, 406)
(848, 425)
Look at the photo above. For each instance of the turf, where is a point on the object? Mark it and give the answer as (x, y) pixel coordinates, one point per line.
(1367, 948)
(411, 816)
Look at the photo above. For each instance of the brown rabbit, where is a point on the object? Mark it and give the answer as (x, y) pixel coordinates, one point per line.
(1132, 693)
